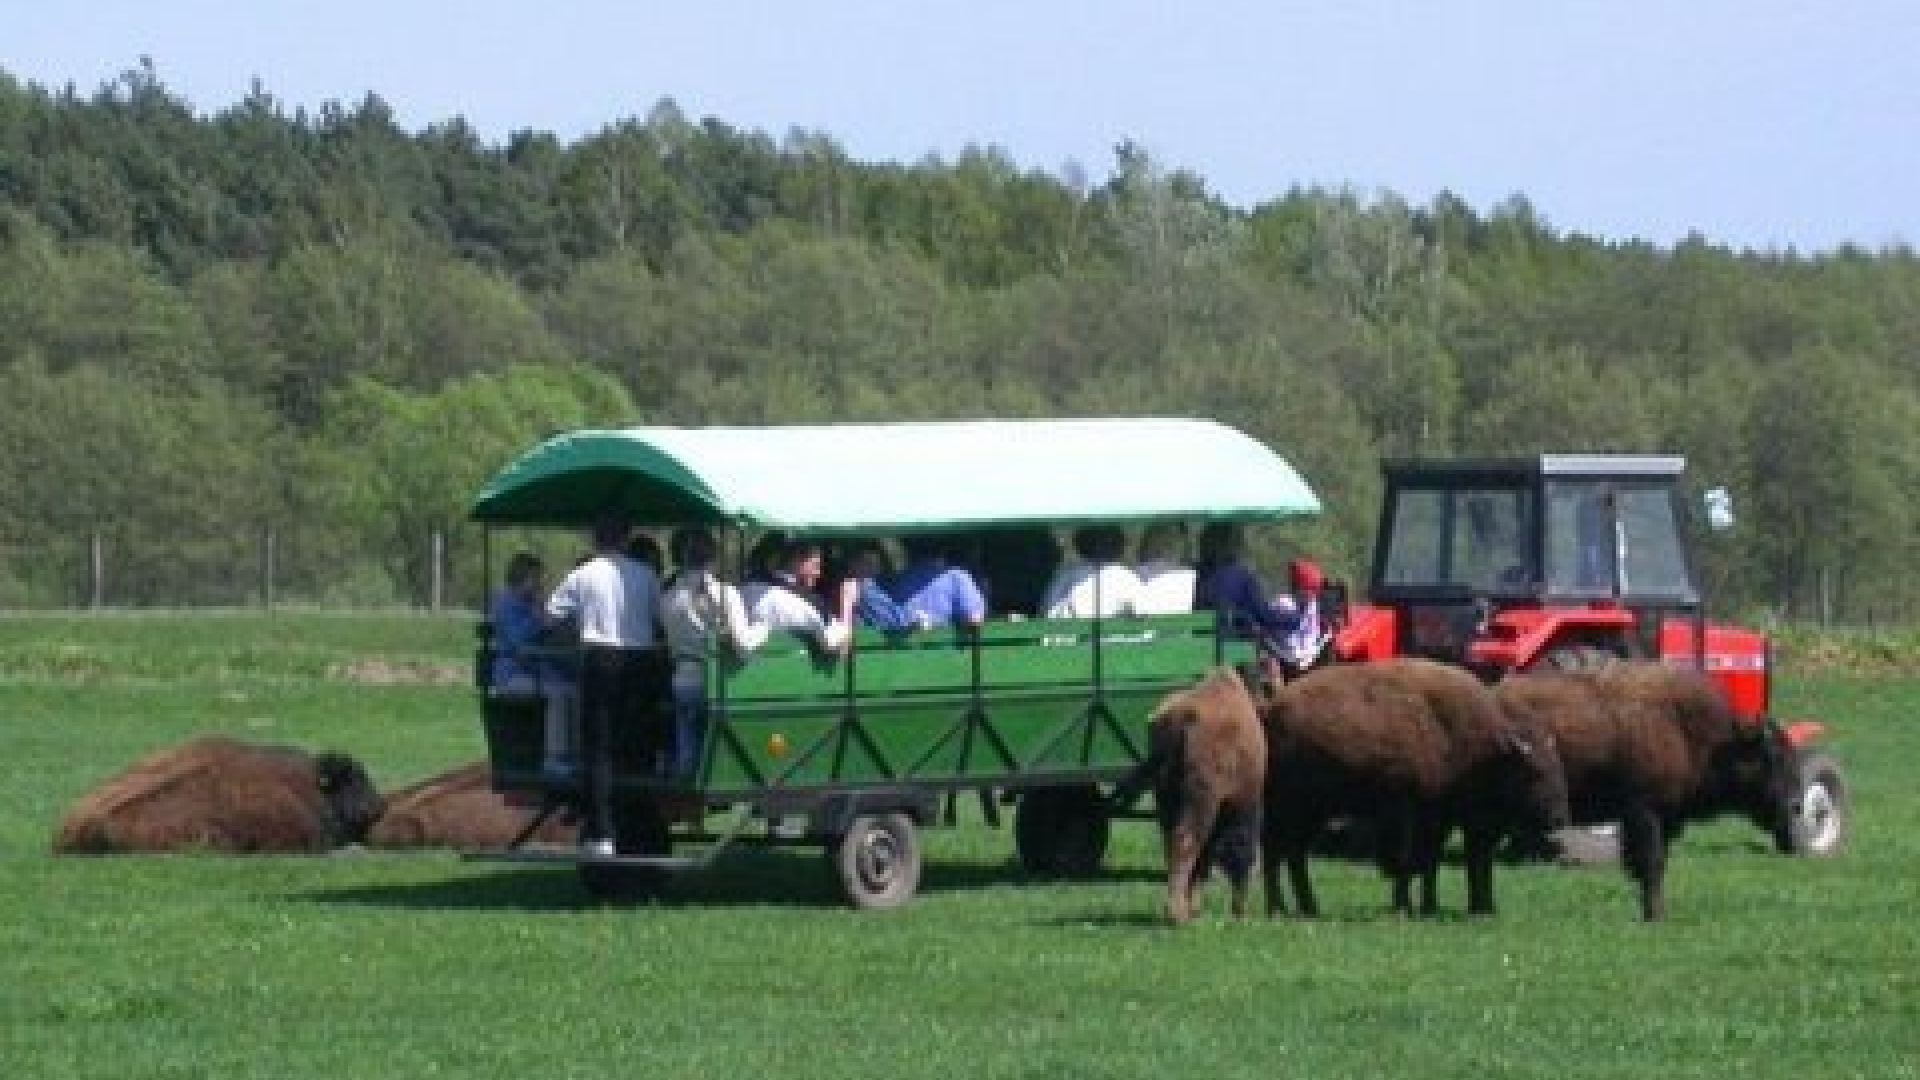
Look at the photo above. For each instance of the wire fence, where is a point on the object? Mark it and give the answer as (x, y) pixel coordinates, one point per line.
(261, 568)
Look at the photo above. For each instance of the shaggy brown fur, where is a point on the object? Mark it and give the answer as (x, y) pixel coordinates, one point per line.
(1654, 747)
(1413, 747)
(459, 809)
(1209, 761)
(220, 794)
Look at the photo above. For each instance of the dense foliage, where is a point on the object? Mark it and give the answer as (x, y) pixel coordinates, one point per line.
(216, 324)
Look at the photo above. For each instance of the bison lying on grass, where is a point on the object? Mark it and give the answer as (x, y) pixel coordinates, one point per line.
(1206, 758)
(219, 794)
(1654, 747)
(459, 809)
(1413, 748)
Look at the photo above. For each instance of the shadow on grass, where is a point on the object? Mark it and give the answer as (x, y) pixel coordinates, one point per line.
(747, 879)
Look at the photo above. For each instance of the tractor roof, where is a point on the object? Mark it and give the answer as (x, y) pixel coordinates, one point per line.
(1527, 468)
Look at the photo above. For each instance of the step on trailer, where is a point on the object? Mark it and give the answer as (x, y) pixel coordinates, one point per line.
(857, 753)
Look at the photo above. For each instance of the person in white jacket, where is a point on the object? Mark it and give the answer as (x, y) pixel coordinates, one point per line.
(705, 618)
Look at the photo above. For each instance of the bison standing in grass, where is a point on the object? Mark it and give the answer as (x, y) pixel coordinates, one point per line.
(1655, 747)
(1206, 759)
(1414, 748)
(459, 809)
(220, 794)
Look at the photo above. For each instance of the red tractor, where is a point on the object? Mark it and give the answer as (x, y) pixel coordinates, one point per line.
(1566, 561)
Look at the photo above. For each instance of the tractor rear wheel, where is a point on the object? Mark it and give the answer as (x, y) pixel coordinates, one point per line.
(1573, 658)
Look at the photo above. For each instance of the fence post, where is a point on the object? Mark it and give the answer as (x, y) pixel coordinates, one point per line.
(438, 571)
(267, 560)
(96, 572)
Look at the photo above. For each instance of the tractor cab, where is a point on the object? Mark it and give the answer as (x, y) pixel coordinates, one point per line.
(1555, 561)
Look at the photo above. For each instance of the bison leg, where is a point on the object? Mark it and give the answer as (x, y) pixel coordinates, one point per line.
(1186, 845)
(1430, 840)
(1643, 848)
(1481, 842)
(1272, 851)
(1234, 849)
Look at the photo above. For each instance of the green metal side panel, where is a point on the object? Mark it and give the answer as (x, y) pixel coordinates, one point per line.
(786, 721)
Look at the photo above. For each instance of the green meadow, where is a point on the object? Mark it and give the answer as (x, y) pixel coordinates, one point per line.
(366, 965)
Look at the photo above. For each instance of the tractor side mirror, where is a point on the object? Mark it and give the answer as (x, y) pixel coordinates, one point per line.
(1719, 508)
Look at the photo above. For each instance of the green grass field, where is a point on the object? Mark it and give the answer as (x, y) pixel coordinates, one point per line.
(366, 966)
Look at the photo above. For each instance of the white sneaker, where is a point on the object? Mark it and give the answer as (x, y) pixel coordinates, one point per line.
(597, 849)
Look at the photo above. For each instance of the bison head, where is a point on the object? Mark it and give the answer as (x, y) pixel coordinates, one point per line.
(353, 803)
(1534, 781)
(1753, 774)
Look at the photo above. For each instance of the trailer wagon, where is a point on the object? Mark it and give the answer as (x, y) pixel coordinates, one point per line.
(856, 751)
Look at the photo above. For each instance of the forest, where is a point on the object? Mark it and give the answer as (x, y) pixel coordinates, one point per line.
(220, 322)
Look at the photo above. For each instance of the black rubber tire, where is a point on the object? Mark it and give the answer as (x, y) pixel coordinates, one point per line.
(1818, 828)
(1062, 831)
(877, 861)
(639, 829)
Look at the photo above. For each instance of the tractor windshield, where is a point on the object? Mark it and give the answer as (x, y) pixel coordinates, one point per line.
(1473, 538)
(1608, 538)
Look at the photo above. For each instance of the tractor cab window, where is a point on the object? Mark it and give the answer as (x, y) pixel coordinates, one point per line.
(1471, 538)
(1608, 539)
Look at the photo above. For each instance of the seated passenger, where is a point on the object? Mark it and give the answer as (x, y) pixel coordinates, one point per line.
(935, 592)
(1226, 585)
(517, 624)
(860, 601)
(792, 600)
(703, 617)
(1099, 585)
(1166, 581)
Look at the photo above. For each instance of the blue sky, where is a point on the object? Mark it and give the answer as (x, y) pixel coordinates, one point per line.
(1758, 123)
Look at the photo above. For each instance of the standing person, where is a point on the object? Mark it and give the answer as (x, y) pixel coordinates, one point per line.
(1099, 585)
(518, 623)
(615, 598)
(705, 619)
(1225, 584)
(934, 591)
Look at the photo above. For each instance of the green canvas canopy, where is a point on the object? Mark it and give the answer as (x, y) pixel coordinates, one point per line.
(900, 477)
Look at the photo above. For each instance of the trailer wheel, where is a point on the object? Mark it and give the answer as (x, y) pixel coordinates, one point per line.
(639, 829)
(1061, 831)
(877, 860)
(1818, 827)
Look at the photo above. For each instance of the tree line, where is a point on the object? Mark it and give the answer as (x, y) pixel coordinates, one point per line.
(214, 323)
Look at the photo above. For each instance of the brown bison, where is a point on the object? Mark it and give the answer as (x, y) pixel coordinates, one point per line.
(1654, 747)
(219, 794)
(459, 809)
(1206, 758)
(1412, 748)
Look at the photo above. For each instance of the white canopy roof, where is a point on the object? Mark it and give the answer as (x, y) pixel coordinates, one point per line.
(901, 477)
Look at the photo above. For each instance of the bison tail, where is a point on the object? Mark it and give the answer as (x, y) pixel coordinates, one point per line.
(1166, 751)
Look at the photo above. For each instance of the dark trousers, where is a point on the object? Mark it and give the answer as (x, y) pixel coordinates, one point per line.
(620, 690)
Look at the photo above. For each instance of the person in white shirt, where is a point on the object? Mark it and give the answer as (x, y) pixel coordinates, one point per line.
(792, 602)
(615, 600)
(1166, 581)
(705, 619)
(1099, 585)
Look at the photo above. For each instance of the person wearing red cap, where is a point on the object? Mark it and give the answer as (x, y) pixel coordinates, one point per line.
(1301, 646)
